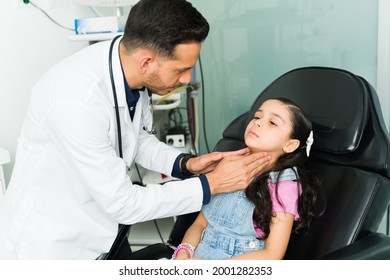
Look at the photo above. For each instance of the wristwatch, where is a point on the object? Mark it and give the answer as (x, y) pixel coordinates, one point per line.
(183, 165)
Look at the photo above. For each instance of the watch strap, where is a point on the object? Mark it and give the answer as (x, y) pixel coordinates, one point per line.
(183, 165)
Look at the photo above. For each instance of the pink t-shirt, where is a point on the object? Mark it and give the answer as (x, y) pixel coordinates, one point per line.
(288, 197)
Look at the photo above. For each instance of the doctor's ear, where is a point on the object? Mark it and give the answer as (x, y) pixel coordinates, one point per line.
(291, 146)
(146, 61)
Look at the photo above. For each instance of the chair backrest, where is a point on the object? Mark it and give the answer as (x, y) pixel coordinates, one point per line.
(351, 153)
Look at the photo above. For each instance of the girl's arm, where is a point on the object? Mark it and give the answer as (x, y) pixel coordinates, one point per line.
(277, 241)
(193, 235)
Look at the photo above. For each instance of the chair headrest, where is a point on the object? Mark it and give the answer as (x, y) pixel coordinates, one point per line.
(335, 101)
(345, 112)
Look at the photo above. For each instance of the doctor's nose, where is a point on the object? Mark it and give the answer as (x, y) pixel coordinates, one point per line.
(185, 77)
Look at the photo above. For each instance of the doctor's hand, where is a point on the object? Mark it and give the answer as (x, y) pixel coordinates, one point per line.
(236, 172)
(207, 163)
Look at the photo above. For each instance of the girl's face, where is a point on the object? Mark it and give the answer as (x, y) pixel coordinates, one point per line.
(270, 130)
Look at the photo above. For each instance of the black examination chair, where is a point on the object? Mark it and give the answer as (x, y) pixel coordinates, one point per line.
(350, 153)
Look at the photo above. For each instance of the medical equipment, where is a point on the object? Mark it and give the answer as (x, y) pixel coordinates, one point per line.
(92, 25)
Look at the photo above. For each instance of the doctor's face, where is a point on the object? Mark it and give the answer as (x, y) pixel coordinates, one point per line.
(167, 75)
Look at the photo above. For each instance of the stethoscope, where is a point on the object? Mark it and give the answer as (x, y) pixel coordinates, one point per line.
(123, 229)
(149, 131)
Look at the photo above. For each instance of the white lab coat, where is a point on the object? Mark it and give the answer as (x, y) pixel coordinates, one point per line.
(69, 189)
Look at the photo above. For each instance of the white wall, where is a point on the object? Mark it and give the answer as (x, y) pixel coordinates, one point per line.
(30, 44)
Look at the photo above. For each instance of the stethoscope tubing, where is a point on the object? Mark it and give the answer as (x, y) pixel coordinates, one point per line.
(122, 229)
(118, 122)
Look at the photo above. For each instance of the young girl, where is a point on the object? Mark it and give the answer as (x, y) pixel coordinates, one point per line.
(256, 223)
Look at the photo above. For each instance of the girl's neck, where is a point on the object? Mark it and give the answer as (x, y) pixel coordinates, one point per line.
(274, 156)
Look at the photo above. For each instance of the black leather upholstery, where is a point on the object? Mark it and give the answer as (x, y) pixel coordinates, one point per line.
(351, 154)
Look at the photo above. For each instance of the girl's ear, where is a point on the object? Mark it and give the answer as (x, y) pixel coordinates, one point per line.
(291, 146)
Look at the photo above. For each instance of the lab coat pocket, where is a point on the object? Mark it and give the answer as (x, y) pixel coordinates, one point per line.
(45, 238)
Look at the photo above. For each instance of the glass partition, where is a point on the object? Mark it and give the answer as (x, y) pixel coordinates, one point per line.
(253, 42)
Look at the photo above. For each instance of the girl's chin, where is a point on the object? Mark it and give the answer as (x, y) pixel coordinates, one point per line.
(254, 150)
(251, 147)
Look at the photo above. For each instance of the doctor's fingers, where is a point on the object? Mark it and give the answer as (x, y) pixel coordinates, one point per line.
(236, 174)
(212, 157)
(204, 163)
(246, 167)
(241, 152)
(258, 163)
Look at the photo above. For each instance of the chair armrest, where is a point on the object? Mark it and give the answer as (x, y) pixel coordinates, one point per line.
(374, 246)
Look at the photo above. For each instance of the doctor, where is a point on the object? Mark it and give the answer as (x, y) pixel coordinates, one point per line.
(70, 189)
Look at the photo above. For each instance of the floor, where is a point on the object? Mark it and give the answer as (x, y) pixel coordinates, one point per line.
(148, 233)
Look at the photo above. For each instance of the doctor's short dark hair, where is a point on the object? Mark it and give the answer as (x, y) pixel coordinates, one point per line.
(160, 25)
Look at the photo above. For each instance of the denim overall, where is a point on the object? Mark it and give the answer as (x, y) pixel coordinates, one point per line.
(230, 230)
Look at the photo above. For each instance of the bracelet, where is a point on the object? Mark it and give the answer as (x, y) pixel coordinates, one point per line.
(184, 246)
(183, 164)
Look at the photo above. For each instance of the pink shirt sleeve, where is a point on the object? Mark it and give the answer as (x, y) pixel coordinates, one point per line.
(288, 197)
